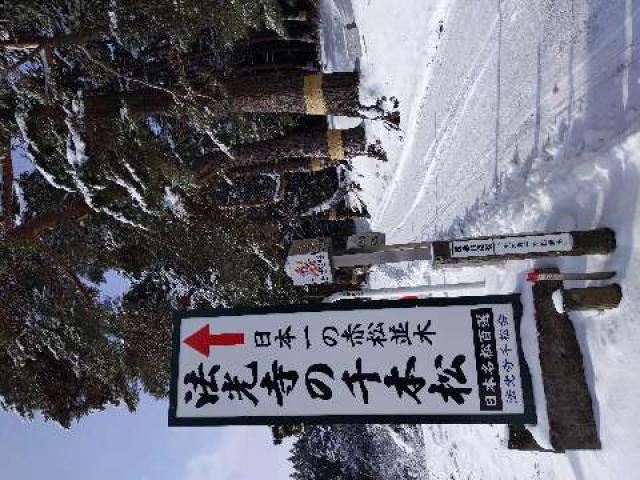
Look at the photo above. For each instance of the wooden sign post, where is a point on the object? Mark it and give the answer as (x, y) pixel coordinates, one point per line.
(520, 247)
(364, 250)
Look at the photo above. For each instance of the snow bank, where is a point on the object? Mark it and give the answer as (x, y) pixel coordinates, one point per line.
(516, 117)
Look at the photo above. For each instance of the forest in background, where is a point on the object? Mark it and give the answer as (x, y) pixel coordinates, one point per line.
(182, 146)
(172, 144)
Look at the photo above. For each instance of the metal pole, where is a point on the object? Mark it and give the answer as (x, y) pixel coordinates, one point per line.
(403, 253)
(422, 291)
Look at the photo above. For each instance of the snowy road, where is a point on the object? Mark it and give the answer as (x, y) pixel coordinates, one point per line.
(516, 116)
(503, 84)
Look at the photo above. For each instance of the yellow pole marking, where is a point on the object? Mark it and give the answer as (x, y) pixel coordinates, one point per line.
(316, 164)
(313, 97)
(334, 142)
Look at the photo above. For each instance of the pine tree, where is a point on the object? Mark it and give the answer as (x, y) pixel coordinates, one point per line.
(58, 355)
(349, 452)
(122, 191)
(312, 139)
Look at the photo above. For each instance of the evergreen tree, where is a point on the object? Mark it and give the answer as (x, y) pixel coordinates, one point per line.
(116, 193)
(346, 452)
(59, 354)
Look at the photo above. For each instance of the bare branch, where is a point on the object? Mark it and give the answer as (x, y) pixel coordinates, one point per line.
(74, 38)
(32, 229)
(82, 288)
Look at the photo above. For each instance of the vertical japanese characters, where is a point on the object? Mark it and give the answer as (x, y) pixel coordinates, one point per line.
(445, 358)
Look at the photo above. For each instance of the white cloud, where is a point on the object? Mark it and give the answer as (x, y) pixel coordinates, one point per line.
(241, 453)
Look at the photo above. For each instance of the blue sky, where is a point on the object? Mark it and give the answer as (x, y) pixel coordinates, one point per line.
(115, 444)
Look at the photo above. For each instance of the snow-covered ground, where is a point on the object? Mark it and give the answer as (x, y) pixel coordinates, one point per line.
(517, 116)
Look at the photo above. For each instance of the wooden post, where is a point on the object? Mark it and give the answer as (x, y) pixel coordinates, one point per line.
(312, 141)
(380, 257)
(593, 298)
(569, 406)
(519, 247)
(521, 439)
(268, 92)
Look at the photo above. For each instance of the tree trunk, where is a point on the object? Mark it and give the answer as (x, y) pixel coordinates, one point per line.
(295, 92)
(311, 141)
(147, 101)
(274, 55)
(275, 92)
(72, 210)
(74, 38)
(283, 166)
(258, 38)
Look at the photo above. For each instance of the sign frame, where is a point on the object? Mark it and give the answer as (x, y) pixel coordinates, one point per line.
(528, 417)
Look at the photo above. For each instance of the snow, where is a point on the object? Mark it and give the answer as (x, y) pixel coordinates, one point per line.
(277, 189)
(154, 126)
(274, 267)
(134, 175)
(326, 205)
(398, 440)
(21, 165)
(181, 289)
(113, 21)
(558, 300)
(76, 147)
(173, 202)
(135, 195)
(517, 117)
(118, 216)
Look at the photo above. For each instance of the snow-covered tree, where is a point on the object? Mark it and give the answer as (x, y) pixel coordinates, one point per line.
(347, 452)
(122, 193)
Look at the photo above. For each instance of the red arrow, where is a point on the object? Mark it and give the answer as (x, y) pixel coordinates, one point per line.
(202, 340)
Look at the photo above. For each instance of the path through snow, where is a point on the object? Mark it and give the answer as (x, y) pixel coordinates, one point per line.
(517, 116)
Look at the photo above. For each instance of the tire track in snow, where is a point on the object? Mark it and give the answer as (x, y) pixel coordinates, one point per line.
(581, 90)
(441, 11)
(450, 125)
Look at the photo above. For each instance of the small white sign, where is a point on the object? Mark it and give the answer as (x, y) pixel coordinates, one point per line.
(308, 262)
(500, 246)
(472, 248)
(558, 242)
(365, 240)
(440, 360)
(309, 269)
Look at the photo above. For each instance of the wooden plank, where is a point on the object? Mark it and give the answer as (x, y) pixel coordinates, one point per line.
(593, 298)
(569, 406)
(590, 242)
